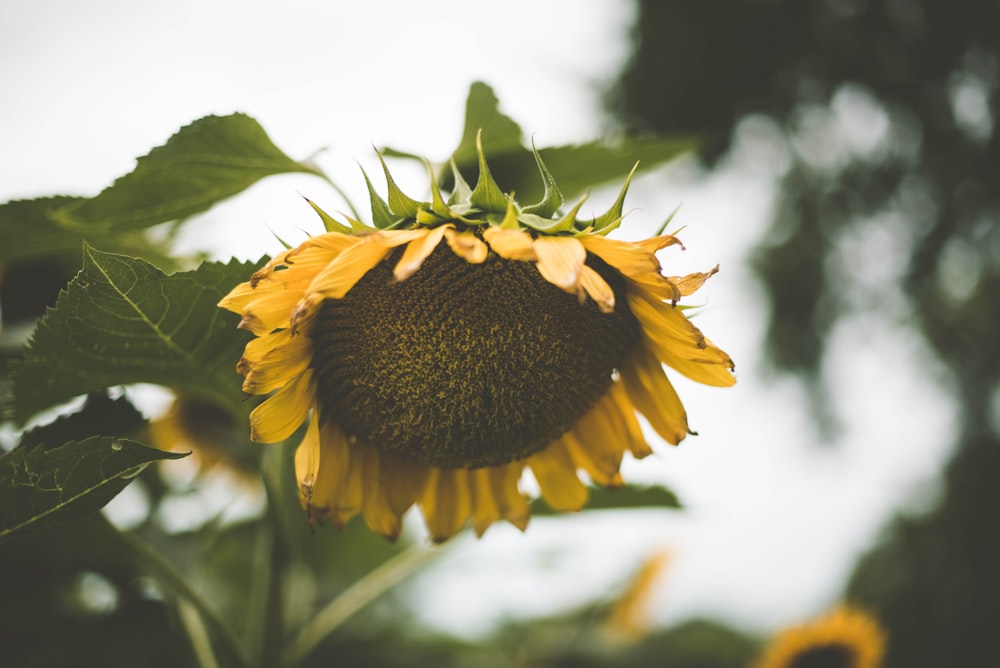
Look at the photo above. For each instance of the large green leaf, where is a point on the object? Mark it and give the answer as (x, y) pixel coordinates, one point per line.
(42, 486)
(501, 133)
(205, 162)
(577, 168)
(121, 321)
(30, 231)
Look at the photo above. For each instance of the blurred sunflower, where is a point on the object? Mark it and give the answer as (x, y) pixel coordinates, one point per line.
(434, 373)
(206, 429)
(844, 638)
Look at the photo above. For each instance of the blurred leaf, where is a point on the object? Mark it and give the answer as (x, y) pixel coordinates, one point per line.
(501, 134)
(100, 416)
(29, 231)
(44, 486)
(205, 162)
(629, 496)
(580, 167)
(123, 321)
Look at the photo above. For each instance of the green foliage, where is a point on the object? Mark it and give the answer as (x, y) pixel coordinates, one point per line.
(42, 486)
(577, 168)
(206, 162)
(129, 316)
(121, 320)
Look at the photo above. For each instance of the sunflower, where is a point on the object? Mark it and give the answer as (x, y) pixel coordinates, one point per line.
(438, 354)
(846, 637)
(209, 431)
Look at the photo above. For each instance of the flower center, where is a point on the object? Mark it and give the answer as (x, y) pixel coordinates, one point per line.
(465, 365)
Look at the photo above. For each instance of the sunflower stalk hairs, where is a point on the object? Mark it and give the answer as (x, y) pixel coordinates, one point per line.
(438, 354)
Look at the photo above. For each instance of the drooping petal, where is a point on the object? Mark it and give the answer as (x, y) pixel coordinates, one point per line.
(621, 412)
(377, 510)
(679, 344)
(598, 289)
(512, 504)
(283, 412)
(555, 472)
(406, 482)
(628, 258)
(688, 284)
(347, 269)
(417, 251)
(511, 244)
(485, 509)
(307, 461)
(278, 366)
(446, 502)
(596, 445)
(651, 392)
(560, 260)
(467, 245)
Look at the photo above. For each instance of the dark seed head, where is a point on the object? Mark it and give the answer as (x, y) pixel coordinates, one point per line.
(465, 365)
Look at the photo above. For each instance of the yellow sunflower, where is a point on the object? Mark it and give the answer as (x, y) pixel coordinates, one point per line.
(843, 638)
(437, 355)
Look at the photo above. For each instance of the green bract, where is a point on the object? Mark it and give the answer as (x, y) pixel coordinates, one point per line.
(486, 204)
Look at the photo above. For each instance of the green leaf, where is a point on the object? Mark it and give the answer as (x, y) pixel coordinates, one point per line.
(122, 321)
(578, 168)
(621, 498)
(203, 163)
(500, 132)
(44, 486)
(100, 416)
(29, 231)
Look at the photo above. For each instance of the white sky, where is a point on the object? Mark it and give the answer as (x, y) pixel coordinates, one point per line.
(774, 522)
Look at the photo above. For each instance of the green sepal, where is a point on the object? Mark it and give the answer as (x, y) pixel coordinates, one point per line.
(510, 217)
(552, 199)
(461, 192)
(382, 217)
(550, 226)
(663, 227)
(330, 224)
(612, 218)
(487, 195)
(400, 204)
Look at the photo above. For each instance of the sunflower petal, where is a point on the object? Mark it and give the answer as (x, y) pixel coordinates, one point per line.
(446, 503)
(560, 260)
(278, 366)
(378, 511)
(307, 459)
(417, 251)
(511, 244)
(651, 392)
(282, 413)
(598, 289)
(555, 472)
(688, 284)
(485, 510)
(346, 269)
(513, 505)
(622, 413)
(467, 246)
(628, 258)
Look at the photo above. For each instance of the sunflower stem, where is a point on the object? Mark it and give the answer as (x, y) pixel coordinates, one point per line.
(378, 581)
(271, 567)
(164, 571)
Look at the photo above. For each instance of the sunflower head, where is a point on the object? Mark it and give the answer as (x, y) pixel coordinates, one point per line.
(437, 354)
(846, 637)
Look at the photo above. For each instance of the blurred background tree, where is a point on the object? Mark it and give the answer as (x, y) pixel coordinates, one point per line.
(890, 206)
